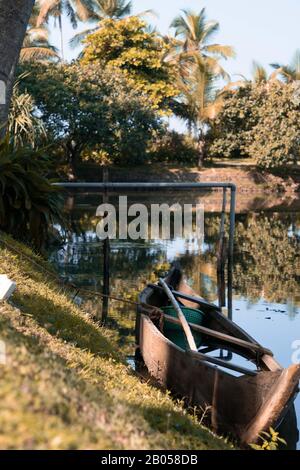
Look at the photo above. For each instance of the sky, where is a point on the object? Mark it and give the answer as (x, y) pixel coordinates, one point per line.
(263, 30)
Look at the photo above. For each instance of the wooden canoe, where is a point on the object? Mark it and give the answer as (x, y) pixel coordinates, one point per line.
(241, 405)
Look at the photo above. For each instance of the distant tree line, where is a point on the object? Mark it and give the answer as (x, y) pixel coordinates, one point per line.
(111, 105)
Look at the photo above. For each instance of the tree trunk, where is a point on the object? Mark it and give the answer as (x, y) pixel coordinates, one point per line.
(62, 53)
(201, 152)
(73, 152)
(73, 164)
(14, 18)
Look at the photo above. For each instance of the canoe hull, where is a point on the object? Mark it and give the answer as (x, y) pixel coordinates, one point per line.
(241, 407)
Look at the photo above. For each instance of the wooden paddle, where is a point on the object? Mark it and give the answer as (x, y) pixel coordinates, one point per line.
(183, 321)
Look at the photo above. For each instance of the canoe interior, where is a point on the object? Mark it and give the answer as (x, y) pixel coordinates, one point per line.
(213, 320)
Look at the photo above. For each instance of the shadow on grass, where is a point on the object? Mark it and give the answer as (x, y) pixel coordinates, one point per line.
(166, 421)
(62, 323)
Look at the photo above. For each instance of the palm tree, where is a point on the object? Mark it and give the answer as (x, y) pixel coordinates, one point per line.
(199, 103)
(36, 42)
(259, 76)
(75, 10)
(194, 34)
(289, 73)
(24, 127)
(114, 9)
(100, 10)
(259, 73)
(199, 68)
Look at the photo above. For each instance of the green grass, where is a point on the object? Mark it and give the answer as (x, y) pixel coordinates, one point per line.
(66, 386)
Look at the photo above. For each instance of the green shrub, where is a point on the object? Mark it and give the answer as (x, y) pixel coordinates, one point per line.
(28, 201)
(230, 132)
(174, 147)
(260, 121)
(275, 141)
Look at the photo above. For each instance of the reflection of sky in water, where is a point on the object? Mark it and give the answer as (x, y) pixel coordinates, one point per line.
(271, 324)
(276, 326)
(178, 247)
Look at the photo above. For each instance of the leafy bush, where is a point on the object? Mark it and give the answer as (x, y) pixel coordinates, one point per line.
(260, 121)
(275, 139)
(229, 134)
(28, 201)
(171, 146)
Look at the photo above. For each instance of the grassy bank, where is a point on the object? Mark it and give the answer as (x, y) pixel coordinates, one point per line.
(64, 385)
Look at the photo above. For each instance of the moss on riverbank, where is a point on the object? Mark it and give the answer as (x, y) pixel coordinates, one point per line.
(64, 385)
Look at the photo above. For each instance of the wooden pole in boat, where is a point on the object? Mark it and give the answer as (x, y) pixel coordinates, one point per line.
(186, 328)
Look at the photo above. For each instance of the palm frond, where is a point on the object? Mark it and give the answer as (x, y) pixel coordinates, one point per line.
(30, 53)
(290, 72)
(225, 52)
(46, 7)
(146, 13)
(181, 23)
(23, 125)
(78, 38)
(29, 203)
(114, 9)
(210, 29)
(98, 10)
(36, 42)
(295, 64)
(83, 9)
(259, 73)
(71, 13)
(123, 8)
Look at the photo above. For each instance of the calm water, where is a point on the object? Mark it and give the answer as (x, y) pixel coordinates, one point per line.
(266, 265)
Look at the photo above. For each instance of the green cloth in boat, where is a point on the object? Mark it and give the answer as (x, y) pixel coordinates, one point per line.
(175, 332)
